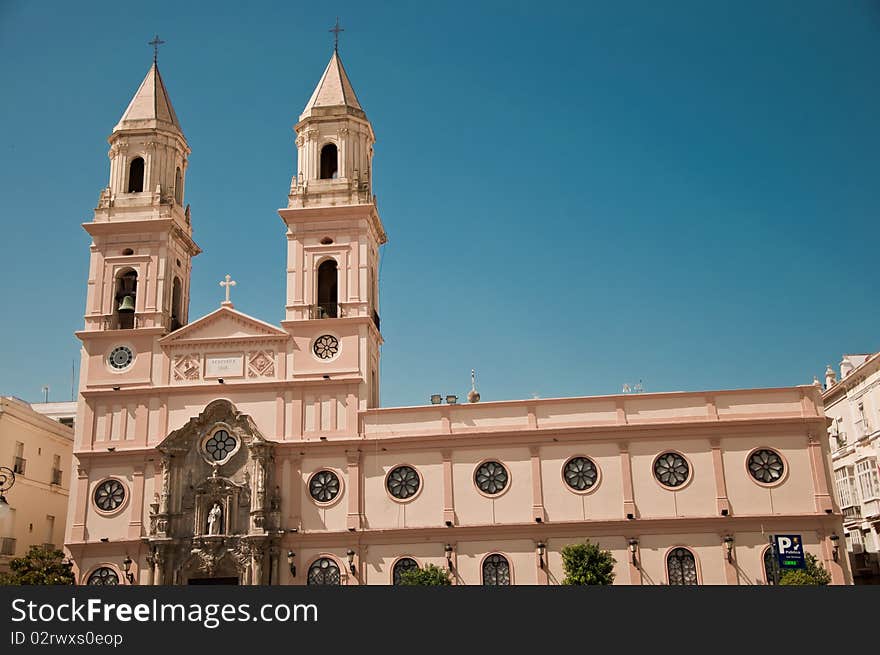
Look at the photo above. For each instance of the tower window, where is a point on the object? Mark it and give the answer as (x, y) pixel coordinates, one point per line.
(124, 299)
(178, 187)
(327, 289)
(136, 175)
(329, 162)
(128, 251)
(176, 298)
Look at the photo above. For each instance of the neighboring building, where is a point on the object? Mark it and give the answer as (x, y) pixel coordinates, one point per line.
(39, 450)
(208, 450)
(853, 405)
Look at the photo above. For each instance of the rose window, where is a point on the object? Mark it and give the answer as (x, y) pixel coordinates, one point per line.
(671, 469)
(580, 473)
(109, 495)
(220, 445)
(491, 478)
(403, 482)
(766, 466)
(324, 486)
(326, 346)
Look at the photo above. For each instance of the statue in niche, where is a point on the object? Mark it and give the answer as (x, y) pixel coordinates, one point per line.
(214, 518)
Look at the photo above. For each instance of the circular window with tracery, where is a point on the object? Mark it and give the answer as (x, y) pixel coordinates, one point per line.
(403, 565)
(326, 346)
(580, 473)
(671, 470)
(491, 477)
(103, 575)
(220, 445)
(109, 495)
(323, 571)
(766, 466)
(324, 486)
(403, 482)
(120, 357)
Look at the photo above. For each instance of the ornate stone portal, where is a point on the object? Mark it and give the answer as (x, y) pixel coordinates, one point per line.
(217, 513)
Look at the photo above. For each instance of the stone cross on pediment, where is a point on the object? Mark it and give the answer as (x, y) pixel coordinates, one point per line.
(228, 283)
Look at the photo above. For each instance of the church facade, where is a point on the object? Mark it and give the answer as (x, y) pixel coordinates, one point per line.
(230, 450)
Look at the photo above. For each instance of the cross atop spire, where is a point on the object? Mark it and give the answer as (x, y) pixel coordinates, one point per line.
(336, 30)
(156, 42)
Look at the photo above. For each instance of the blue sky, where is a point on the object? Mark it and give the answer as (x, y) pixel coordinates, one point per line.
(577, 195)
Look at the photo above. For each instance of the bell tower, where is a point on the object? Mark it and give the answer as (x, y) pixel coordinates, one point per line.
(333, 237)
(142, 243)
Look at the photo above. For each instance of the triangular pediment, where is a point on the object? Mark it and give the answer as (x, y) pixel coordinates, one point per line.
(225, 324)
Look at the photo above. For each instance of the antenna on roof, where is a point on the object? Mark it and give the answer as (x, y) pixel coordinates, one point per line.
(46, 393)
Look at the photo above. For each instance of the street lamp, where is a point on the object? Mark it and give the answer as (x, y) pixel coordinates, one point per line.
(835, 552)
(351, 567)
(290, 564)
(126, 566)
(542, 548)
(633, 545)
(728, 547)
(448, 550)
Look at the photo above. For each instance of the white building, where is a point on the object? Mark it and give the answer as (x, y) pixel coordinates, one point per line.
(853, 405)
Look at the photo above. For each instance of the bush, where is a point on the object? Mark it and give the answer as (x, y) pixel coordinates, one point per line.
(814, 575)
(430, 576)
(40, 566)
(587, 564)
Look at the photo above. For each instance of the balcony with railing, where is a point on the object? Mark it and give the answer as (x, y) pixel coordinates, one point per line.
(871, 508)
(7, 545)
(56, 476)
(863, 428)
(19, 465)
(324, 310)
(852, 513)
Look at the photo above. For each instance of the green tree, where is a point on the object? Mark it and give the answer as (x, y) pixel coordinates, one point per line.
(40, 566)
(430, 576)
(814, 575)
(587, 564)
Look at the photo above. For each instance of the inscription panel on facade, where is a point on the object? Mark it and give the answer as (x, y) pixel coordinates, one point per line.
(224, 366)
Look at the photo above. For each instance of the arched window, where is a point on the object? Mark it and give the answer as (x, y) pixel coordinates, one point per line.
(178, 187)
(329, 162)
(327, 289)
(496, 571)
(104, 576)
(124, 299)
(324, 571)
(769, 566)
(681, 567)
(176, 298)
(401, 566)
(136, 175)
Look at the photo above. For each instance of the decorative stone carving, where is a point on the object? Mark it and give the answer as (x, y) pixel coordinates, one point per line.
(261, 364)
(214, 518)
(185, 367)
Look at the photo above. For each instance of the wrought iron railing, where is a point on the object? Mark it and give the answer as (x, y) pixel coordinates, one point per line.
(56, 476)
(324, 310)
(7, 546)
(19, 465)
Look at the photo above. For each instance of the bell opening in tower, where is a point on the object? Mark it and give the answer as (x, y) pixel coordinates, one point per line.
(327, 290)
(176, 304)
(329, 162)
(124, 305)
(136, 175)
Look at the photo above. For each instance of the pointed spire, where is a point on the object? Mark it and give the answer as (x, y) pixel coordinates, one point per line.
(333, 90)
(150, 107)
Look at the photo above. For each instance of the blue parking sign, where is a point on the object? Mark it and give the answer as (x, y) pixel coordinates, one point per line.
(790, 551)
